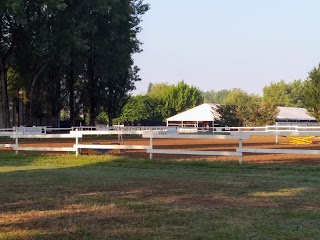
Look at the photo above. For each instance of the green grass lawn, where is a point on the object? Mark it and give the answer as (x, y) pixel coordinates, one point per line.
(99, 197)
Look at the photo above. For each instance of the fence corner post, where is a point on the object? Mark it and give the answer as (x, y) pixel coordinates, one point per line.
(151, 147)
(17, 144)
(77, 142)
(240, 148)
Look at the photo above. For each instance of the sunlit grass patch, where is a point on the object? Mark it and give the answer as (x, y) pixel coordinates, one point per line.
(286, 192)
(12, 162)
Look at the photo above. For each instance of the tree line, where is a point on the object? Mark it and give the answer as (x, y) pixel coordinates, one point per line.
(236, 107)
(74, 58)
(298, 93)
(163, 100)
(67, 55)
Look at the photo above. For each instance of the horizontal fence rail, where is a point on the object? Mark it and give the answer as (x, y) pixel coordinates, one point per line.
(102, 146)
(279, 151)
(200, 153)
(45, 149)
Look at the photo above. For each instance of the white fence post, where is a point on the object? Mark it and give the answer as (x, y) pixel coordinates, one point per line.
(77, 142)
(277, 140)
(240, 147)
(151, 147)
(17, 144)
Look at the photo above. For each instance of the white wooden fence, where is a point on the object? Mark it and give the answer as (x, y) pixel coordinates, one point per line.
(241, 134)
(76, 135)
(159, 133)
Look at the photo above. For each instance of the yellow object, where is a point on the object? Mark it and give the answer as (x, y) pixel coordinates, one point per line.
(300, 140)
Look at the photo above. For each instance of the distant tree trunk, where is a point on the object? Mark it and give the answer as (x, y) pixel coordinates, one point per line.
(110, 119)
(71, 83)
(17, 110)
(54, 96)
(29, 97)
(92, 92)
(4, 94)
(28, 112)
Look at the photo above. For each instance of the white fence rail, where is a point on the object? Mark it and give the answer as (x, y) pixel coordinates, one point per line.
(240, 135)
(152, 133)
(199, 153)
(278, 151)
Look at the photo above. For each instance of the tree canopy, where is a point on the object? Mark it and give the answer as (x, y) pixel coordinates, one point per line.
(68, 54)
(161, 101)
(216, 96)
(176, 98)
(312, 92)
(243, 109)
(285, 94)
(141, 110)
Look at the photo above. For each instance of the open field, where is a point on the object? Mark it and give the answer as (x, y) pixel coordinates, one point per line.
(113, 197)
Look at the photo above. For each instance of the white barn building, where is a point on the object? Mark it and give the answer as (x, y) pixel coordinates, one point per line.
(206, 114)
(295, 116)
(203, 115)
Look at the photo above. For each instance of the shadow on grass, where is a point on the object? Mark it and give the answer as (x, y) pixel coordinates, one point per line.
(137, 199)
(10, 159)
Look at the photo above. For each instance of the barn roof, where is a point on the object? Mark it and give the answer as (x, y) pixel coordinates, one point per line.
(208, 112)
(294, 114)
(202, 113)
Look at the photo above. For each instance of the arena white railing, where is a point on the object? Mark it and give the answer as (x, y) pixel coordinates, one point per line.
(240, 135)
(78, 146)
(77, 135)
(173, 135)
(125, 128)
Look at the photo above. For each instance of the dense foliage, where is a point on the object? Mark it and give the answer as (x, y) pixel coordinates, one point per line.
(242, 109)
(72, 55)
(161, 101)
(285, 94)
(141, 110)
(216, 96)
(312, 92)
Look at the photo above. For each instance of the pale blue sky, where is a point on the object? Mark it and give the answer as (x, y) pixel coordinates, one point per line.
(225, 44)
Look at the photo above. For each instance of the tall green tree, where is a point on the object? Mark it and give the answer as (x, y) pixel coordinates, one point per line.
(159, 89)
(277, 94)
(296, 89)
(70, 54)
(216, 96)
(112, 41)
(34, 44)
(143, 110)
(284, 94)
(176, 98)
(247, 109)
(71, 27)
(239, 97)
(228, 116)
(11, 14)
(312, 92)
(257, 114)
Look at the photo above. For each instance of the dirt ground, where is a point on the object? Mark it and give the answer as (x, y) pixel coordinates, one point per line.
(231, 145)
(203, 145)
